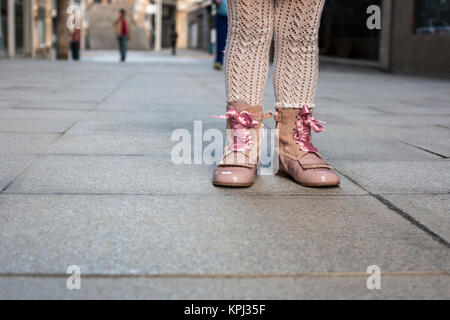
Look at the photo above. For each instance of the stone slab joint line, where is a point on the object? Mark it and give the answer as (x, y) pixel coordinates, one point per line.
(83, 116)
(423, 149)
(402, 213)
(417, 273)
(35, 157)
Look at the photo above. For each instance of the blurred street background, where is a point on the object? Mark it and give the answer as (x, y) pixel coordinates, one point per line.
(86, 176)
(402, 37)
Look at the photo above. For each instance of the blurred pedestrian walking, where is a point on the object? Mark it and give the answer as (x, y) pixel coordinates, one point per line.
(75, 37)
(221, 31)
(173, 41)
(123, 32)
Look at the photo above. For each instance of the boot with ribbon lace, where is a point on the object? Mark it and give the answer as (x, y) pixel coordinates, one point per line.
(298, 157)
(240, 161)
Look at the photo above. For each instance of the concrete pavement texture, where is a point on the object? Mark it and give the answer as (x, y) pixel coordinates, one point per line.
(86, 179)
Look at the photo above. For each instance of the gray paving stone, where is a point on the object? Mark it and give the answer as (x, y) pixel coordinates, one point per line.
(439, 107)
(186, 107)
(431, 210)
(30, 93)
(432, 138)
(400, 176)
(139, 102)
(63, 104)
(105, 144)
(156, 128)
(157, 114)
(328, 107)
(35, 125)
(392, 287)
(7, 104)
(388, 107)
(93, 203)
(11, 166)
(412, 121)
(339, 82)
(151, 122)
(209, 235)
(26, 143)
(344, 146)
(144, 175)
(44, 114)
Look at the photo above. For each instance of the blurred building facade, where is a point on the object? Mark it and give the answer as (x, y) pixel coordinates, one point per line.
(152, 21)
(195, 24)
(100, 17)
(26, 28)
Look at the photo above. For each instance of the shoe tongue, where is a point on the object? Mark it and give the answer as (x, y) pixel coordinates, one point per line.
(235, 157)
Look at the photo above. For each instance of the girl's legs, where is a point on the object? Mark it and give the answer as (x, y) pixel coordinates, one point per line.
(250, 31)
(250, 28)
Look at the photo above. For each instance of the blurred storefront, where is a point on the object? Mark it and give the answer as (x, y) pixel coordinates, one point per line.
(169, 8)
(195, 24)
(414, 37)
(200, 23)
(343, 31)
(420, 37)
(25, 28)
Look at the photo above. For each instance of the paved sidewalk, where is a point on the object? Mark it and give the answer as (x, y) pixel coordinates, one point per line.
(87, 180)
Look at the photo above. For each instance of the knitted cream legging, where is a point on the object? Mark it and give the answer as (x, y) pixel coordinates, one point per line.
(294, 24)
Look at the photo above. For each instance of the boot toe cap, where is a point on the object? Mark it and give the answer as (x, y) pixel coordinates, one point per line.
(234, 176)
(319, 177)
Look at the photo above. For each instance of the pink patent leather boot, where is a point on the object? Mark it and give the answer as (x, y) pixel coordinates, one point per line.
(298, 157)
(241, 156)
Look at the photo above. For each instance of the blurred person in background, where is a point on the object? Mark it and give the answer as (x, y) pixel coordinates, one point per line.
(221, 31)
(123, 33)
(294, 26)
(173, 41)
(75, 37)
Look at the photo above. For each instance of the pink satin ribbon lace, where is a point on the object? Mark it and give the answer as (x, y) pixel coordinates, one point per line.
(304, 123)
(240, 122)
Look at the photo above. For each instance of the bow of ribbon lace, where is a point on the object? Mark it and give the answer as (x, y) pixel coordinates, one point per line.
(306, 122)
(240, 123)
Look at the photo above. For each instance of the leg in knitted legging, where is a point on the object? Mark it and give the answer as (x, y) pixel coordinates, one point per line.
(296, 52)
(250, 31)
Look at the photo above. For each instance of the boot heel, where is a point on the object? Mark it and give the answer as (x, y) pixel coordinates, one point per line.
(281, 173)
